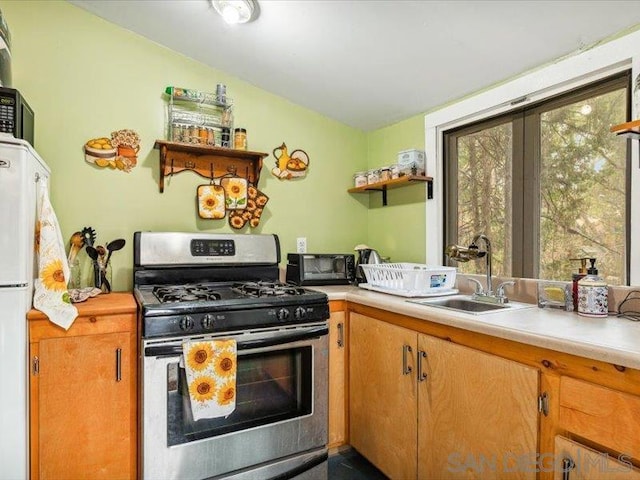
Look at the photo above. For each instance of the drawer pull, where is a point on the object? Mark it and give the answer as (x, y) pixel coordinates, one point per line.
(93, 319)
(406, 368)
(118, 364)
(35, 365)
(422, 376)
(567, 465)
(340, 335)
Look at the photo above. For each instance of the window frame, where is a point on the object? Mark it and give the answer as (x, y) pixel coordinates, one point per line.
(526, 161)
(571, 72)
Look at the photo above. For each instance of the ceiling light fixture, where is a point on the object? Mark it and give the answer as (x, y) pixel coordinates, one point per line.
(236, 11)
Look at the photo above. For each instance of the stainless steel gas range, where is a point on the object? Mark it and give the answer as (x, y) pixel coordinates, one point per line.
(224, 286)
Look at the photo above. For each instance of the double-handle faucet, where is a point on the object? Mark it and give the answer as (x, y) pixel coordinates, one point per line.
(473, 252)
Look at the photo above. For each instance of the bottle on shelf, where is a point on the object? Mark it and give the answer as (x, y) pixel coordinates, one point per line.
(593, 300)
(240, 139)
(576, 277)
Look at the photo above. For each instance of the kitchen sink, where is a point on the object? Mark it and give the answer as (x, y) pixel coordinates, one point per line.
(466, 304)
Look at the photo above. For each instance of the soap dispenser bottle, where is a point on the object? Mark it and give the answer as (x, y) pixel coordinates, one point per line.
(576, 277)
(592, 294)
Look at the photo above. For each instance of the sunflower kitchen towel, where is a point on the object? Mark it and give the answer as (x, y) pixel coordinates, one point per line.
(211, 376)
(51, 295)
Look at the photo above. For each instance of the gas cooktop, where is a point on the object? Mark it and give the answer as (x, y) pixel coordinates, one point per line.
(189, 284)
(222, 296)
(213, 292)
(204, 308)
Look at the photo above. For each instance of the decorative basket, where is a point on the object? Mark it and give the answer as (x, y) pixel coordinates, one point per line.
(409, 279)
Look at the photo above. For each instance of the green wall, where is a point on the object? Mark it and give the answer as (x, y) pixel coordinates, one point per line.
(85, 78)
(398, 229)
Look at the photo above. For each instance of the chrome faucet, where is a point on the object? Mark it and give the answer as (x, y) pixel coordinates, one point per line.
(473, 252)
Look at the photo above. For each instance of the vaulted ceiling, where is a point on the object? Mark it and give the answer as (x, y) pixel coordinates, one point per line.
(371, 63)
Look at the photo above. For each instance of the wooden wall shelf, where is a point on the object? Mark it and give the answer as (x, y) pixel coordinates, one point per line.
(395, 183)
(208, 162)
(628, 129)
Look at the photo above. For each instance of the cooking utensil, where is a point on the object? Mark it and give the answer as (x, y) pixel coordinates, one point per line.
(89, 235)
(76, 243)
(93, 255)
(106, 286)
(112, 247)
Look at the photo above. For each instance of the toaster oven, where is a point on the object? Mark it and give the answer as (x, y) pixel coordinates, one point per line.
(320, 268)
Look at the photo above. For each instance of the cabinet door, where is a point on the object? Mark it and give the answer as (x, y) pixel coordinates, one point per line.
(84, 410)
(382, 395)
(477, 414)
(337, 374)
(574, 461)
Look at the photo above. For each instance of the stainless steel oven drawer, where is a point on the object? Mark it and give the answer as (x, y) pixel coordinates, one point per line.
(312, 465)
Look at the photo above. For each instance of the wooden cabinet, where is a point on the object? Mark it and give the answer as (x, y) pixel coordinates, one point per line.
(574, 461)
(421, 407)
(337, 375)
(603, 416)
(382, 395)
(477, 414)
(83, 386)
(479, 397)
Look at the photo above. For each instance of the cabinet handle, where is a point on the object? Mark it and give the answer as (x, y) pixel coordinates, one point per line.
(118, 364)
(567, 465)
(35, 365)
(340, 335)
(422, 376)
(406, 368)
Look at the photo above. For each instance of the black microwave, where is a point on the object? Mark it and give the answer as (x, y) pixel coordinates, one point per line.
(321, 268)
(16, 116)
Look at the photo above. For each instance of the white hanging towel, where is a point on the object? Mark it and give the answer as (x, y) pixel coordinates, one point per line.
(51, 295)
(211, 375)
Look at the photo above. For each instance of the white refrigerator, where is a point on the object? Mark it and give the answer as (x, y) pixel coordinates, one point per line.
(21, 171)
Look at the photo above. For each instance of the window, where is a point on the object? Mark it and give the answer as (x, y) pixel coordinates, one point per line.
(546, 184)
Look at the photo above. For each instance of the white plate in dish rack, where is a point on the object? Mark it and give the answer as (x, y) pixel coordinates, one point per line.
(409, 293)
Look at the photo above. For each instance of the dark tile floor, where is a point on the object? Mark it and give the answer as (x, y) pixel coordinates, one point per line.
(350, 465)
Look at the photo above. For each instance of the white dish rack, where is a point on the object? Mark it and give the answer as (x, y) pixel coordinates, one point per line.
(410, 279)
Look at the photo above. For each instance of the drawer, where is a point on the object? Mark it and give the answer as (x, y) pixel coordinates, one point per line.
(574, 461)
(604, 416)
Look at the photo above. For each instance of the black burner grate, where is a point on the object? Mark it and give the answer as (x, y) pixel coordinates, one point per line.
(186, 293)
(267, 289)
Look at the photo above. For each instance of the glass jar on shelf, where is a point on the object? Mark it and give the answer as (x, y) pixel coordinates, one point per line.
(240, 139)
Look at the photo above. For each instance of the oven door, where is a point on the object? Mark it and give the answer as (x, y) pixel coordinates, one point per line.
(281, 405)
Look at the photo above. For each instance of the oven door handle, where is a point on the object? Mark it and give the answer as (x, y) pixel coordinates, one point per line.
(173, 350)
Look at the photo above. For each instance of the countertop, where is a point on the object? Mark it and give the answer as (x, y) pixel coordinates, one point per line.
(612, 339)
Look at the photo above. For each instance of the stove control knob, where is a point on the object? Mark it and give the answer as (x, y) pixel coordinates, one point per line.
(283, 314)
(186, 323)
(300, 313)
(207, 322)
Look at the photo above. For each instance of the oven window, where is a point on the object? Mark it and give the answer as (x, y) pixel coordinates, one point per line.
(270, 387)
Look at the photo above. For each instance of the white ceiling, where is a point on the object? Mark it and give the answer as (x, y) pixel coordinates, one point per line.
(372, 63)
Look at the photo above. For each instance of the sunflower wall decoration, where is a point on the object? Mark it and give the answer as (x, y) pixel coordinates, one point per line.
(243, 201)
(288, 166)
(210, 368)
(256, 201)
(211, 202)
